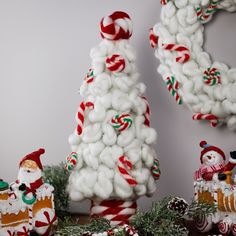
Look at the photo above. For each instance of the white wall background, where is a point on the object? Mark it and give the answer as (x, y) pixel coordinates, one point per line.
(44, 55)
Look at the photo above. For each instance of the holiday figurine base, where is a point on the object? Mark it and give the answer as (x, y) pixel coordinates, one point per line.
(214, 185)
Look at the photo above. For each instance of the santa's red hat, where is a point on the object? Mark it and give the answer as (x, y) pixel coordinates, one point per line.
(207, 147)
(34, 156)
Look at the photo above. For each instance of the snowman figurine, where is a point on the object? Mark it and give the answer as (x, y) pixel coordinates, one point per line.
(213, 164)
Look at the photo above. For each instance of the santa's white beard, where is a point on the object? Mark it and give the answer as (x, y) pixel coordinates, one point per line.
(29, 177)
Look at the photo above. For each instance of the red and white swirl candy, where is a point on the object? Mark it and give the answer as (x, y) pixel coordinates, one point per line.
(116, 26)
(224, 227)
(115, 63)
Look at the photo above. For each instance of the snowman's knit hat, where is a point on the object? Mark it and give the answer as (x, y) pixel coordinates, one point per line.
(207, 147)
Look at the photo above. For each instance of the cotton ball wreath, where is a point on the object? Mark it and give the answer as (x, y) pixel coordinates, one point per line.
(206, 87)
(112, 163)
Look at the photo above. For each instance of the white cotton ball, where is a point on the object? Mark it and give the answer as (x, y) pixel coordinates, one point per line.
(169, 10)
(109, 173)
(76, 195)
(181, 16)
(231, 95)
(151, 186)
(220, 66)
(140, 190)
(204, 60)
(98, 67)
(173, 26)
(148, 155)
(92, 133)
(163, 69)
(74, 139)
(181, 3)
(96, 148)
(191, 15)
(141, 175)
(205, 3)
(103, 187)
(100, 85)
(106, 100)
(126, 137)
(134, 155)
(109, 115)
(232, 75)
(121, 101)
(123, 82)
(191, 99)
(206, 108)
(90, 160)
(218, 93)
(121, 187)
(83, 89)
(232, 123)
(191, 29)
(98, 113)
(162, 31)
(218, 110)
(198, 36)
(109, 135)
(190, 68)
(183, 40)
(110, 155)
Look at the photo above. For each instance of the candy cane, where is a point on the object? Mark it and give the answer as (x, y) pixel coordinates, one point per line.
(212, 118)
(130, 230)
(204, 15)
(164, 2)
(115, 63)
(147, 112)
(89, 78)
(71, 161)
(122, 122)
(124, 164)
(116, 26)
(173, 86)
(156, 169)
(212, 76)
(80, 115)
(153, 39)
(181, 50)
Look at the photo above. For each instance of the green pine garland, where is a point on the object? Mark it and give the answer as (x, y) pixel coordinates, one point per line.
(159, 221)
(57, 176)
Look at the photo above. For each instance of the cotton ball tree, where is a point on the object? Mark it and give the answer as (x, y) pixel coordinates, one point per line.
(112, 161)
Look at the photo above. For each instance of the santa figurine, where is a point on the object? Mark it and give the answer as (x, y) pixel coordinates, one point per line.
(29, 176)
(213, 163)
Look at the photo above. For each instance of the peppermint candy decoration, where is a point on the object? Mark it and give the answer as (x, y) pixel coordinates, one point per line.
(80, 115)
(23, 231)
(123, 166)
(130, 230)
(71, 161)
(173, 86)
(205, 15)
(122, 122)
(45, 222)
(153, 38)
(224, 226)
(182, 54)
(89, 78)
(115, 63)
(156, 172)
(116, 26)
(147, 112)
(212, 76)
(208, 117)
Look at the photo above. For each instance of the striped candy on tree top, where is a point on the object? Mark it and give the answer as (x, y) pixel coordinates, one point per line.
(116, 26)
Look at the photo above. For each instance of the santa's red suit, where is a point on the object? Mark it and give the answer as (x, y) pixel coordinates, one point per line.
(208, 172)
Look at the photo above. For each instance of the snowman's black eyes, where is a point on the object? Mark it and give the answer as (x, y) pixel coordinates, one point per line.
(28, 171)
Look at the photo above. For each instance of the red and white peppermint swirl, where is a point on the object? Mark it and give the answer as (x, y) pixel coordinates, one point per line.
(233, 229)
(118, 212)
(153, 39)
(116, 26)
(24, 231)
(115, 63)
(209, 117)
(147, 112)
(80, 115)
(224, 227)
(184, 53)
(123, 165)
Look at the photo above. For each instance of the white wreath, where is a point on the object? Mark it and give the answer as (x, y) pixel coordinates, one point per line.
(207, 88)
